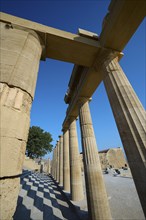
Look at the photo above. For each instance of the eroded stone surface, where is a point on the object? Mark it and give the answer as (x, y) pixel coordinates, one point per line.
(9, 190)
(15, 112)
(15, 120)
(20, 55)
(11, 156)
(30, 164)
(113, 157)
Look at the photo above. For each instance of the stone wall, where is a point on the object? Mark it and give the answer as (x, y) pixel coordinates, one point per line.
(113, 157)
(30, 164)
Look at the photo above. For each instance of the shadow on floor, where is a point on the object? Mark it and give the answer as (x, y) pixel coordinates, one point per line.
(40, 198)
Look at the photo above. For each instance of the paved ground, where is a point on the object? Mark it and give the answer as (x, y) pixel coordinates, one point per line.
(41, 199)
(123, 198)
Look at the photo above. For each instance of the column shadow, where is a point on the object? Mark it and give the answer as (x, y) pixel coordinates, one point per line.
(46, 198)
(75, 211)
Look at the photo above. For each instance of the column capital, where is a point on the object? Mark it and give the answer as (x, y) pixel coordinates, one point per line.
(107, 65)
(82, 100)
(106, 56)
(64, 129)
(72, 118)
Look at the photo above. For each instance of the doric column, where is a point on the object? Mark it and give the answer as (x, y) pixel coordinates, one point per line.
(66, 162)
(58, 169)
(49, 166)
(97, 201)
(131, 122)
(55, 175)
(53, 164)
(20, 51)
(61, 160)
(76, 184)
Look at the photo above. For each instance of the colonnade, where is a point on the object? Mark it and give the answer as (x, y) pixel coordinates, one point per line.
(70, 157)
(130, 118)
(21, 49)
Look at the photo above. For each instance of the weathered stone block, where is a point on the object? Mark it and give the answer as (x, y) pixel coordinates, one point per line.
(15, 120)
(9, 190)
(20, 54)
(15, 111)
(11, 156)
(30, 164)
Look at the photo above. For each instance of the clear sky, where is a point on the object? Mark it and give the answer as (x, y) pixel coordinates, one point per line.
(48, 109)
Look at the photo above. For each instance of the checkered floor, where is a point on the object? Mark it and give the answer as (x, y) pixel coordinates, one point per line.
(41, 199)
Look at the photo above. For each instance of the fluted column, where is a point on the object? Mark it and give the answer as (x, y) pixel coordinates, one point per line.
(49, 166)
(58, 169)
(54, 163)
(55, 154)
(131, 122)
(66, 163)
(20, 51)
(97, 201)
(61, 160)
(76, 184)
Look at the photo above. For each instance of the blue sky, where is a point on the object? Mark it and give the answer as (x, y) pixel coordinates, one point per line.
(48, 109)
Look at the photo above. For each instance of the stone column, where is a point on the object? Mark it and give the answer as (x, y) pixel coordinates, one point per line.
(131, 122)
(76, 184)
(20, 55)
(52, 167)
(55, 163)
(58, 169)
(97, 201)
(49, 166)
(66, 163)
(61, 160)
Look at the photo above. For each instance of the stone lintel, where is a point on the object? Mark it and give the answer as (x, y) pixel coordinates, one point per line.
(84, 81)
(121, 22)
(60, 45)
